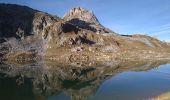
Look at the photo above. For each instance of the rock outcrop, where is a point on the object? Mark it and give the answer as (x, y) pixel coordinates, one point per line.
(85, 19)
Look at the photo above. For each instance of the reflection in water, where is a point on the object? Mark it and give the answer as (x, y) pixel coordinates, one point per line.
(123, 80)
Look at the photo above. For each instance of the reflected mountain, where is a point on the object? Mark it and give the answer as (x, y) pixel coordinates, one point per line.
(77, 81)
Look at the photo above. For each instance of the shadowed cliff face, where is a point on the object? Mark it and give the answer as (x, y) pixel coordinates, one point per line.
(82, 24)
(16, 21)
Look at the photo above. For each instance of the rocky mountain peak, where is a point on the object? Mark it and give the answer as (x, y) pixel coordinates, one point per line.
(85, 19)
(81, 14)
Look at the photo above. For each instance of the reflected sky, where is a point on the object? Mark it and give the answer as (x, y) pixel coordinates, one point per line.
(134, 86)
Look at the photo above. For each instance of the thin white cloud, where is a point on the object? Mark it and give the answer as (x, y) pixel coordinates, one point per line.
(165, 25)
(161, 30)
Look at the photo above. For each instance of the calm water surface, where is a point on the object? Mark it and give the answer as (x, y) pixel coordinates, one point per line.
(125, 85)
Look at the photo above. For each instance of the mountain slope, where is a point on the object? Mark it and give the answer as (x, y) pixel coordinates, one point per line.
(27, 33)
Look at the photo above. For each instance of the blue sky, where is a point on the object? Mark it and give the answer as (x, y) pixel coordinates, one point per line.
(150, 17)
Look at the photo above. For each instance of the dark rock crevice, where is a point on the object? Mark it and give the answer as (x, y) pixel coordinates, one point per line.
(68, 28)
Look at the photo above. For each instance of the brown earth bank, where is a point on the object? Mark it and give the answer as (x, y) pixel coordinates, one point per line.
(28, 34)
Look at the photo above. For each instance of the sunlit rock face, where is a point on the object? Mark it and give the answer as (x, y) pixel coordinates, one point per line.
(82, 14)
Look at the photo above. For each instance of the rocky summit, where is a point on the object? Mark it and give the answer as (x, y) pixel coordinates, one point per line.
(27, 35)
(85, 19)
